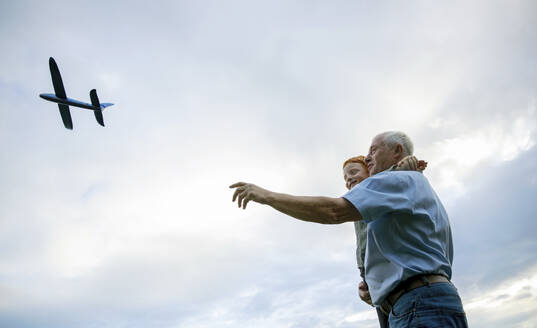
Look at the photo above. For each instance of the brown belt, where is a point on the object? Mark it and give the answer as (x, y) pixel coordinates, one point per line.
(408, 285)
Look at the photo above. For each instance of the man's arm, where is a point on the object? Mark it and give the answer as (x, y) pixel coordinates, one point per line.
(325, 210)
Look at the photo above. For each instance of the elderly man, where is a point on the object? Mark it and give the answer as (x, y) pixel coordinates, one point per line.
(409, 245)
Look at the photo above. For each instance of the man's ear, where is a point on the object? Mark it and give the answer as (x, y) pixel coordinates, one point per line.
(398, 152)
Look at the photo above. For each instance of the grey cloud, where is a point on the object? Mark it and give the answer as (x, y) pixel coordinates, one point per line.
(503, 296)
(493, 225)
(523, 296)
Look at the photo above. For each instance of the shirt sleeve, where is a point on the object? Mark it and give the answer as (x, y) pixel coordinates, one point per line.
(382, 194)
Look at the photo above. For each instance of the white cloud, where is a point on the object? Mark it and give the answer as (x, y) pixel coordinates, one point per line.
(454, 159)
(369, 315)
(111, 81)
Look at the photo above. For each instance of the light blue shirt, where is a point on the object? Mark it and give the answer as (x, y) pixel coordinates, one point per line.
(408, 231)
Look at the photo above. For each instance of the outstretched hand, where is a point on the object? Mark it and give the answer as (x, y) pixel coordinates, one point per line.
(246, 192)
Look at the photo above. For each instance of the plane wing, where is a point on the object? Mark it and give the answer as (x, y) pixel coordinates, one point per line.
(57, 82)
(66, 116)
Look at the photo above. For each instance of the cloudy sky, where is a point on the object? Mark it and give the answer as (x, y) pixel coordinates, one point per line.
(132, 225)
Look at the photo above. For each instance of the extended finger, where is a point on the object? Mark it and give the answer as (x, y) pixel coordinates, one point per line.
(237, 184)
(236, 193)
(241, 197)
(245, 201)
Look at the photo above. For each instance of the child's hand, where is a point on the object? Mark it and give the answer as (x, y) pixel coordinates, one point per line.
(410, 163)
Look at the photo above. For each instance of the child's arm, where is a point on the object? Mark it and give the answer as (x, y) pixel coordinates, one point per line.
(410, 163)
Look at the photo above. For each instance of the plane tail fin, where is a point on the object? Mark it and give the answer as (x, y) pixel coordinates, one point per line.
(94, 99)
(95, 102)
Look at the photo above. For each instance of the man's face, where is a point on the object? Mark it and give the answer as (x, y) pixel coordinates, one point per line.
(380, 156)
(354, 173)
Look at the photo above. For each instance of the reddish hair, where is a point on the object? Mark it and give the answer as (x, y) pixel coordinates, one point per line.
(357, 159)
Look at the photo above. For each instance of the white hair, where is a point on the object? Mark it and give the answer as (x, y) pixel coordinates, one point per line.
(394, 138)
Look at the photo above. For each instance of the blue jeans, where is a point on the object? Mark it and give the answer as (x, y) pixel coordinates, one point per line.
(437, 305)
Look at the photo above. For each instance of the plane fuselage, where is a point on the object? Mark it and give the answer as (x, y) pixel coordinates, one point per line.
(68, 101)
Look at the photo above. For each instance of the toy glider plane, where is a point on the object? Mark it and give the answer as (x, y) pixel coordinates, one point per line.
(64, 102)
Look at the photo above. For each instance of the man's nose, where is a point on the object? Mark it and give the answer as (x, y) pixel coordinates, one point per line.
(368, 159)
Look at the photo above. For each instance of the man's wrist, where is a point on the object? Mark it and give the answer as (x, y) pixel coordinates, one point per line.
(268, 198)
